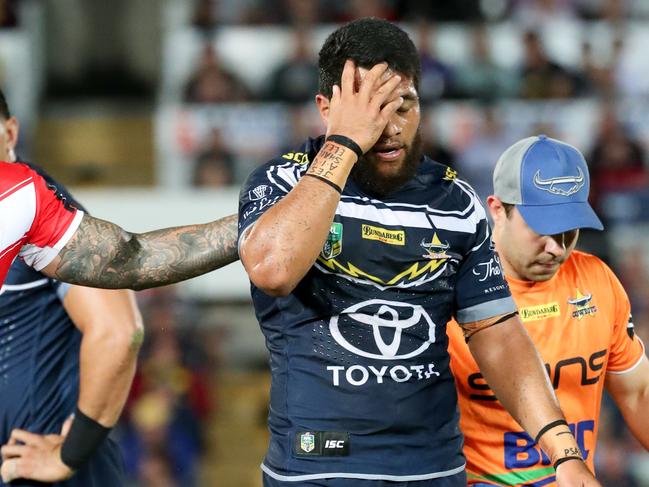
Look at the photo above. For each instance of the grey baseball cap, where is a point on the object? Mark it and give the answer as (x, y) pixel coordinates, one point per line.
(548, 181)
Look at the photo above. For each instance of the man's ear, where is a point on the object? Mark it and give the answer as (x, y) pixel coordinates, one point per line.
(496, 208)
(12, 128)
(322, 103)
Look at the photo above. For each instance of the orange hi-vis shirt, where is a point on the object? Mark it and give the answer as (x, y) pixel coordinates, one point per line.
(580, 322)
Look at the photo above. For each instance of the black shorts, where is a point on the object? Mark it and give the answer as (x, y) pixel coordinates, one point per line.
(458, 480)
(105, 469)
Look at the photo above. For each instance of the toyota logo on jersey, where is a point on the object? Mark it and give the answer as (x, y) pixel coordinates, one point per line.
(385, 330)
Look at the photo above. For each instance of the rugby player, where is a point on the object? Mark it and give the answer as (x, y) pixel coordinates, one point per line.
(571, 304)
(353, 282)
(46, 365)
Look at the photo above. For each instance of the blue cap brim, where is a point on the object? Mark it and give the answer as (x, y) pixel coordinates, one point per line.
(554, 219)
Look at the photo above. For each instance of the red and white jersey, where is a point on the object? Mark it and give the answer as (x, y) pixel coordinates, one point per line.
(34, 222)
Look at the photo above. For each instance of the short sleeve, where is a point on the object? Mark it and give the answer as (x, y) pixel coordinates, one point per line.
(626, 349)
(264, 188)
(481, 289)
(53, 225)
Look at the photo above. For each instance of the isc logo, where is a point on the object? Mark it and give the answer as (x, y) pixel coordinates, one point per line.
(522, 452)
(335, 444)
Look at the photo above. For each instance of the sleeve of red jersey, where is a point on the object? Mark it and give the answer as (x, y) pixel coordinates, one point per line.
(627, 349)
(53, 226)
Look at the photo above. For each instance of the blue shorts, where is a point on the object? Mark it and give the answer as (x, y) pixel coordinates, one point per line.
(458, 480)
(105, 469)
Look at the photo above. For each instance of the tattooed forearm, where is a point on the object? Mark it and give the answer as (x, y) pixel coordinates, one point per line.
(101, 254)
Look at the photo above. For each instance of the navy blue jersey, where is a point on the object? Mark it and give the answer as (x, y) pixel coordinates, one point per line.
(39, 359)
(361, 386)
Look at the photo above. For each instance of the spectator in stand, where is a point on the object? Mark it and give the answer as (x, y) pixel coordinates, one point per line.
(481, 78)
(215, 164)
(540, 76)
(436, 76)
(212, 82)
(169, 403)
(617, 160)
(296, 79)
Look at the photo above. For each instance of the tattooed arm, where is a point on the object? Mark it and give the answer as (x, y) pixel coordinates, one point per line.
(101, 254)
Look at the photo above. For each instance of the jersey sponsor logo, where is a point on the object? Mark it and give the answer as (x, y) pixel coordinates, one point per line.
(485, 270)
(435, 249)
(539, 312)
(321, 444)
(259, 192)
(390, 237)
(300, 157)
(374, 329)
(588, 373)
(333, 246)
(359, 375)
(383, 330)
(561, 186)
(522, 452)
(582, 304)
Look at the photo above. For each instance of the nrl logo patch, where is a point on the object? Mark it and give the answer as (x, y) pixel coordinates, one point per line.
(562, 186)
(582, 305)
(307, 442)
(436, 250)
(333, 246)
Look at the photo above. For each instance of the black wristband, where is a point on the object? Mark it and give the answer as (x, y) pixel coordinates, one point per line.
(346, 142)
(82, 441)
(565, 459)
(549, 426)
(325, 180)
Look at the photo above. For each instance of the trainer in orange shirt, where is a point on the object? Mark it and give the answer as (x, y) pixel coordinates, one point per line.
(573, 307)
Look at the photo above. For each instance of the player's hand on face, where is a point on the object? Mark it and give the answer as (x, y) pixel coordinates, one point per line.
(575, 474)
(362, 105)
(30, 456)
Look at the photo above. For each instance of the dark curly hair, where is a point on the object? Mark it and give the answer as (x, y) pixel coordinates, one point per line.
(367, 42)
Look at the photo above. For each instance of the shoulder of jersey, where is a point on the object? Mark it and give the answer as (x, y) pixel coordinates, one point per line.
(587, 263)
(301, 156)
(442, 177)
(13, 173)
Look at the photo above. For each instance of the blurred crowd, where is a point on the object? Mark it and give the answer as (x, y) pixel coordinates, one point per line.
(164, 429)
